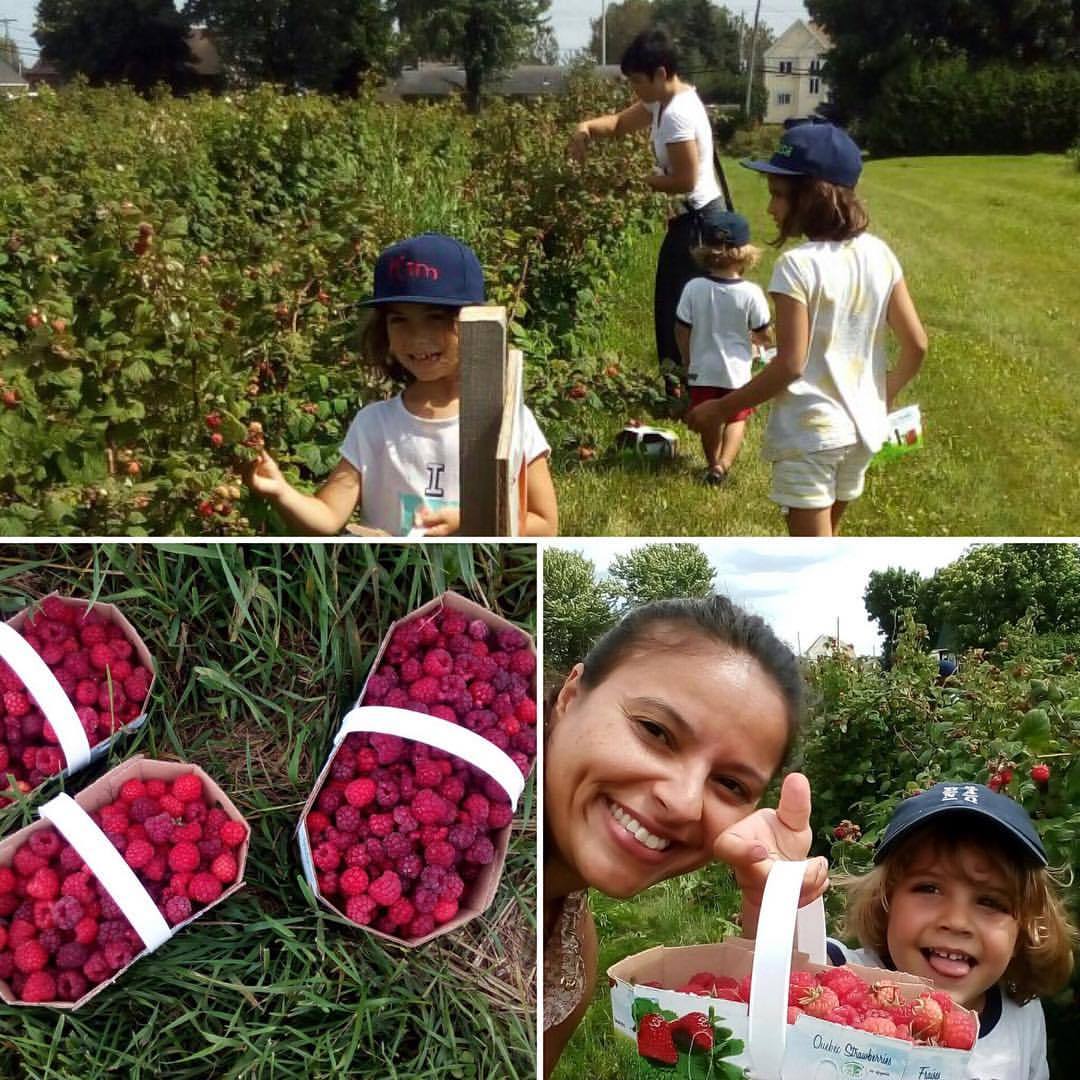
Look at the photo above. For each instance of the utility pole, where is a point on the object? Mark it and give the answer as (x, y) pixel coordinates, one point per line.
(603, 33)
(753, 50)
(8, 38)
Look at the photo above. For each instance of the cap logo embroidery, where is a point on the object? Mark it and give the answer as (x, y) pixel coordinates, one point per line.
(401, 269)
(966, 794)
(785, 150)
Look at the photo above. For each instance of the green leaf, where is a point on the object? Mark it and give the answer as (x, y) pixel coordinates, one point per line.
(177, 226)
(1035, 729)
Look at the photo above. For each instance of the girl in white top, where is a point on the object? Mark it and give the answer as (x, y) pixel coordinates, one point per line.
(682, 143)
(399, 460)
(835, 295)
(720, 319)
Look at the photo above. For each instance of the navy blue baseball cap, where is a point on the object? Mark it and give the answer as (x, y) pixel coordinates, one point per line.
(721, 226)
(428, 269)
(823, 151)
(959, 798)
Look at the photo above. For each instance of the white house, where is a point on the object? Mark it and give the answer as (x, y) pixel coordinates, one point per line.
(824, 645)
(11, 82)
(792, 72)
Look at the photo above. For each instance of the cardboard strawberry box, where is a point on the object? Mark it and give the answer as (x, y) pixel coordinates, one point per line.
(72, 676)
(738, 1017)
(76, 912)
(406, 830)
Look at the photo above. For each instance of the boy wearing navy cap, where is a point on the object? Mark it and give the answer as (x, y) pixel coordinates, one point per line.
(718, 321)
(960, 894)
(399, 460)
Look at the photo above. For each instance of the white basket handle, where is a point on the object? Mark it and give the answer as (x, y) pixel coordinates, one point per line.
(108, 866)
(780, 924)
(49, 695)
(454, 739)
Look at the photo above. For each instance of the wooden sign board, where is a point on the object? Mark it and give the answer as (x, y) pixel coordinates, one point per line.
(492, 456)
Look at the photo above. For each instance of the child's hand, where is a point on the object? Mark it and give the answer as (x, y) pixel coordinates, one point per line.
(439, 522)
(708, 414)
(264, 477)
(751, 846)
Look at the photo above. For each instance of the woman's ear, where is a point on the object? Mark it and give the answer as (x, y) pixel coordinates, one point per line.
(571, 689)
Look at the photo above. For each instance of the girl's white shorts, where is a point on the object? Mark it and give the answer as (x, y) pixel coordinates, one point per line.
(814, 480)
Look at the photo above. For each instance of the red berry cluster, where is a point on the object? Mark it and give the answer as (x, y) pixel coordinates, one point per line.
(402, 829)
(466, 672)
(97, 668)
(840, 996)
(847, 830)
(61, 933)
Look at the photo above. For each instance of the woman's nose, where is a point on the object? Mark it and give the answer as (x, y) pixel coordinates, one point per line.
(681, 796)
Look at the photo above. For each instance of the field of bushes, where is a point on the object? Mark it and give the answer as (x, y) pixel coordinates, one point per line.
(162, 260)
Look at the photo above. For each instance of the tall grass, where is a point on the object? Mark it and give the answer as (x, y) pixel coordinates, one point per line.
(260, 651)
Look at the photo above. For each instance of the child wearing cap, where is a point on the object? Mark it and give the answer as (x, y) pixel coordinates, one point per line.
(399, 460)
(960, 894)
(835, 296)
(719, 320)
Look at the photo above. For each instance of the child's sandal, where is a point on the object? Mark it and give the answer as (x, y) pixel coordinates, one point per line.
(716, 477)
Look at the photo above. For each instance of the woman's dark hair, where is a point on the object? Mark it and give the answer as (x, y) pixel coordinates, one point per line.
(667, 624)
(819, 210)
(650, 50)
(375, 346)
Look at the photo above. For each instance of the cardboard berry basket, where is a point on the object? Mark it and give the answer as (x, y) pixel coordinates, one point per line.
(757, 1038)
(70, 817)
(50, 697)
(442, 735)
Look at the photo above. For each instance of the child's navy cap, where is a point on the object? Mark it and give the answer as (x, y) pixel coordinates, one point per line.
(972, 799)
(724, 227)
(428, 269)
(823, 151)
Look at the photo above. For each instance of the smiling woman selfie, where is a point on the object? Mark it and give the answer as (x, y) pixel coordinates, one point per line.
(658, 746)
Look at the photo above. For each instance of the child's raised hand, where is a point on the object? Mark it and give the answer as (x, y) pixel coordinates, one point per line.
(751, 846)
(264, 477)
(439, 522)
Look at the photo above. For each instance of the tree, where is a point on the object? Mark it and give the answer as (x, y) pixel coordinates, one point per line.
(484, 36)
(995, 585)
(324, 46)
(660, 572)
(877, 39)
(624, 22)
(889, 594)
(544, 47)
(142, 42)
(577, 609)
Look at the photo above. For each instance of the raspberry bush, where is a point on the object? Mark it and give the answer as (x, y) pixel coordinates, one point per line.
(178, 281)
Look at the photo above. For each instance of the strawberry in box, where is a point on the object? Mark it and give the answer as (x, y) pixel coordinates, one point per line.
(71, 675)
(407, 829)
(111, 874)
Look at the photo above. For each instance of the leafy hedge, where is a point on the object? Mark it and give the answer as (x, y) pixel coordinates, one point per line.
(949, 108)
(164, 259)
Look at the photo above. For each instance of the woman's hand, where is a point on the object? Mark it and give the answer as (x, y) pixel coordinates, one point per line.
(753, 845)
(579, 143)
(438, 522)
(264, 477)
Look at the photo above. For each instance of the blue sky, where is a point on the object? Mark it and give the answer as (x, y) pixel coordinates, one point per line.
(802, 588)
(570, 19)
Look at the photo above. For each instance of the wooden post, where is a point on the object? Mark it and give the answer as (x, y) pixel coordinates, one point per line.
(483, 396)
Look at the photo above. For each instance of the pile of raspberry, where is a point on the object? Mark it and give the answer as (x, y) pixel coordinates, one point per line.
(61, 933)
(402, 829)
(840, 996)
(98, 670)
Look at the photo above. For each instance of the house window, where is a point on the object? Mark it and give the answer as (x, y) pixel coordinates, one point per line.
(815, 86)
(785, 67)
(815, 66)
(783, 99)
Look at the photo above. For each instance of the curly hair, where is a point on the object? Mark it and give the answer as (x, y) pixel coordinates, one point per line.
(717, 258)
(375, 345)
(1043, 959)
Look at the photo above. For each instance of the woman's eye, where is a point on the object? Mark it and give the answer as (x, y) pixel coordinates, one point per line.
(731, 784)
(924, 887)
(653, 729)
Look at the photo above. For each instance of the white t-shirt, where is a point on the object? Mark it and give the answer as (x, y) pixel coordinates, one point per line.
(720, 313)
(840, 398)
(407, 462)
(684, 119)
(1012, 1038)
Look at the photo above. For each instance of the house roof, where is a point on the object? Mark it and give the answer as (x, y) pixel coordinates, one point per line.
(438, 80)
(9, 76)
(799, 33)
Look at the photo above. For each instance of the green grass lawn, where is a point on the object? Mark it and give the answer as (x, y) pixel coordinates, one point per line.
(260, 651)
(986, 249)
